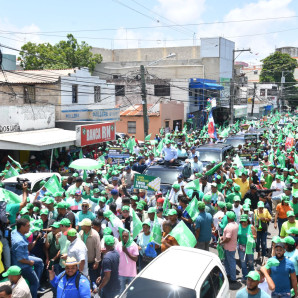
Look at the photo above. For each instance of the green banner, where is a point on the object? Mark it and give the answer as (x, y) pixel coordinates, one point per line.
(146, 182)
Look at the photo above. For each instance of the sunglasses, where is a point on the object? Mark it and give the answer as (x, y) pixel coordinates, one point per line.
(85, 206)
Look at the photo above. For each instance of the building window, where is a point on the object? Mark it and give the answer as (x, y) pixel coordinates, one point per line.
(74, 94)
(272, 92)
(255, 72)
(131, 127)
(119, 90)
(262, 92)
(167, 124)
(162, 90)
(29, 94)
(96, 93)
(250, 92)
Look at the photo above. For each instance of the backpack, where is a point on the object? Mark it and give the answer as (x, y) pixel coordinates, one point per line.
(186, 172)
(77, 281)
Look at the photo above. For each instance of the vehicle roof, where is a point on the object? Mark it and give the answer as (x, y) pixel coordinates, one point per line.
(165, 268)
(214, 147)
(158, 166)
(31, 176)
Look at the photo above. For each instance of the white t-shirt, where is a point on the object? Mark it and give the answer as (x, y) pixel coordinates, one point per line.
(264, 287)
(280, 186)
(237, 212)
(216, 221)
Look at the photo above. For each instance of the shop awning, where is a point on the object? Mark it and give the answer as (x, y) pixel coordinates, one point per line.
(37, 140)
(207, 86)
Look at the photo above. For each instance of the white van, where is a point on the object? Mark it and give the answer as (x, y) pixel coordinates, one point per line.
(34, 178)
(181, 272)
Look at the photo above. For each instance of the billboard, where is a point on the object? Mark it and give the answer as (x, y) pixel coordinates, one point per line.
(95, 133)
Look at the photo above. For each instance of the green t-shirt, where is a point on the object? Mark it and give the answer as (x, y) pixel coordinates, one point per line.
(286, 226)
(242, 234)
(12, 209)
(85, 236)
(63, 243)
(89, 215)
(294, 207)
(268, 180)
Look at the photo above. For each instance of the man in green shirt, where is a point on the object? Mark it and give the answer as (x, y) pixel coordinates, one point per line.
(286, 226)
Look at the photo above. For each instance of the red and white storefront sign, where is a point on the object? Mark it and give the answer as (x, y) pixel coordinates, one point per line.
(95, 133)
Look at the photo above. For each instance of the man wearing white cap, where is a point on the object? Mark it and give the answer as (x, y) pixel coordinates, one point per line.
(92, 241)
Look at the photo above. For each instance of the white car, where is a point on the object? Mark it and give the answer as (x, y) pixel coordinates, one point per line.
(181, 272)
(34, 178)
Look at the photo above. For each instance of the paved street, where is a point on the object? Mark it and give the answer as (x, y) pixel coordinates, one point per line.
(235, 287)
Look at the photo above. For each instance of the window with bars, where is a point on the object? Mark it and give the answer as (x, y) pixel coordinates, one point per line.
(97, 94)
(29, 94)
(119, 90)
(74, 94)
(131, 127)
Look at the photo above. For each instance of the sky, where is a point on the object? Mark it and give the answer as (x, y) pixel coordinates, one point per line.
(125, 24)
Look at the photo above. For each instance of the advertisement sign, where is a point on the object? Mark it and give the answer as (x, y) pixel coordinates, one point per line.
(247, 159)
(95, 133)
(116, 152)
(147, 182)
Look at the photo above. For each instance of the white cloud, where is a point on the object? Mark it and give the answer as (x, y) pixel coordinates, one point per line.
(181, 11)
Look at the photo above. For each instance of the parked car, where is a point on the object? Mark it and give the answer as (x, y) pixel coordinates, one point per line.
(213, 152)
(204, 276)
(34, 178)
(241, 139)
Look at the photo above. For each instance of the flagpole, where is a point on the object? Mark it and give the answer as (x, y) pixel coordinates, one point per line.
(51, 161)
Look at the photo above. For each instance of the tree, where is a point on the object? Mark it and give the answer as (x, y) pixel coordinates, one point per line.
(64, 54)
(273, 66)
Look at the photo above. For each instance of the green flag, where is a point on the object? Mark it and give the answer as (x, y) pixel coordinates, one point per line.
(183, 235)
(220, 250)
(148, 138)
(15, 162)
(56, 153)
(225, 132)
(156, 235)
(9, 197)
(192, 209)
(85, 175)
(195, 184)
(250, 244)
(161, 131)
(81, 155)
(282, 160)
(296, 158)
(214, 169)
(137, 225)
(12, 172)
(130, 144)
(160, 147)
(166, 204)
(53, 185)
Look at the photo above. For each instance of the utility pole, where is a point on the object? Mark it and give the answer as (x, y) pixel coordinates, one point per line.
(144, 100)
(232, 87)
(253, 99)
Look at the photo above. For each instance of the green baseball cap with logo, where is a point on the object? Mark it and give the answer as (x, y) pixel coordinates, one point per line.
(24, 211)
(176, 186)
(152, 210)
(61, 205)
(44, 212)
(55, 225)
(261, 204)
(65, 222)
(72, 232)
(12, 270)
(292, 230)
(237, 199)
(254, 275)
(244, 217)
(125, 208)
(290, 213)
(102, 199)
(172, 212)
(288, 240)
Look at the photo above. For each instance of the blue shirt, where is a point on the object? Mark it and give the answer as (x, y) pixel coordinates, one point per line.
(204, 223)
(244, 294)
(19, 249)
(67, 287)
(169, 153)
(281, 275)
(110, 263)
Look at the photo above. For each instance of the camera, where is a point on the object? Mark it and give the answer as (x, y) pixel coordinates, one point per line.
(21, 181)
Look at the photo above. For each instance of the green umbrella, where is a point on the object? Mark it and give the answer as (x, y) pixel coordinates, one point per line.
(85, 164)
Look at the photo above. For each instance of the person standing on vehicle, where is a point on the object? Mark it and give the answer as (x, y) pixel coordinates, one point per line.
(229, 241)
(169, 153)
(196, 164)
(140, 165)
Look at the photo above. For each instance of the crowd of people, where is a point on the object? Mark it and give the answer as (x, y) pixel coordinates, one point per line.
(96, 231)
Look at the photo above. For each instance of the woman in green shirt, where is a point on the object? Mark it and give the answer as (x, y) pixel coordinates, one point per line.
(246, 259)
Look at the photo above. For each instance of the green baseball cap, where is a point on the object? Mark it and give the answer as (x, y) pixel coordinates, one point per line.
(229, 206)
(176, 186)
(237, 199)
(107, 213)
(36, 209)
(292, 230)
(146, 222)
(207, 198)
(289, 240)
(254, 275)
(72, 232)
(75, 175)
(276, 239)
(244, 217)
(30, 206)
(246, 207)
(261, 204)
(55, 225)
(12, 270)
(247, 201)
(61, 205)
(152, 210)
(125, 208)
(290, 213)
(96, 190)
(102, 199)
(65, 222)
(109, 240)
(58, 194)
(201, 205)
(24, 211)
(171, 212)
(237, 187)
(231, 215)
(107, 231)
(44, 212)
(135, 198)
(221, 204)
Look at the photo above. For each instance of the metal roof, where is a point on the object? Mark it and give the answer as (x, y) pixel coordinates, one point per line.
(137, 110)
(37, 140)
(46, 76)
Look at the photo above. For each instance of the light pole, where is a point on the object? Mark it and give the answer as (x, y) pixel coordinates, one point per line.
(282, 81)
(144, 92)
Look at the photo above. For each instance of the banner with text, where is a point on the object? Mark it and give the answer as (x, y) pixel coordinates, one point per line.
(147, 182)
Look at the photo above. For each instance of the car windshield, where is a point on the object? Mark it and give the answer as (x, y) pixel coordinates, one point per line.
(209, 156)
(12, 187)
(167, 175)
(147, 288)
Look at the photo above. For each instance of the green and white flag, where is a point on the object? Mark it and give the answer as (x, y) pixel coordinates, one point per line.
(156, 234)
(15, 162)
(166, 204)
(12, 172)
(53, 185)
(147, 138)
(250, 244)
(192, 209)
(195, 184)
(183, 235)
(137, 225)
(9, 197)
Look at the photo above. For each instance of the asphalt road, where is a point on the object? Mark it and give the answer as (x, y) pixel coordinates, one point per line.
(235, 287)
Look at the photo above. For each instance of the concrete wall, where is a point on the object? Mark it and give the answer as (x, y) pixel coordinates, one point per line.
(171, 111)
(26, 117)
